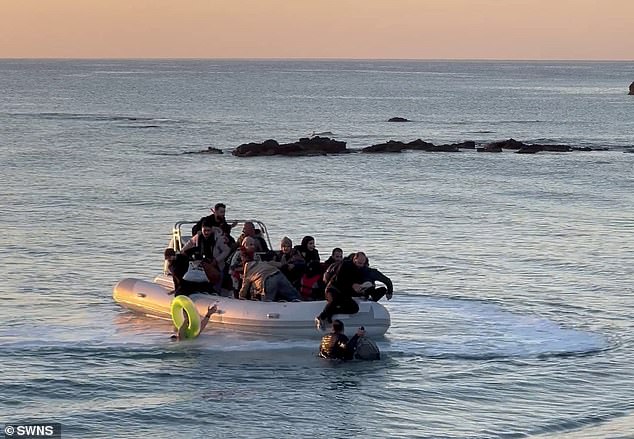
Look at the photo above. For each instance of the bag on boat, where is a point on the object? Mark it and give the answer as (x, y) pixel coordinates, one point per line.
(196, 272)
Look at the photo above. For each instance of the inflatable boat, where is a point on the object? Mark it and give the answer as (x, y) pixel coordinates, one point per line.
(283, 318)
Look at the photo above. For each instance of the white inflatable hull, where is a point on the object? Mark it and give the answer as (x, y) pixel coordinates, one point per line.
(284, 318)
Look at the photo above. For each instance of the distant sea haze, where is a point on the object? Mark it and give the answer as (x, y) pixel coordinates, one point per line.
(512, 272)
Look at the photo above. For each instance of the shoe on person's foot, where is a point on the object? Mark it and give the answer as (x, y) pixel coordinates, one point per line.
(319, 323)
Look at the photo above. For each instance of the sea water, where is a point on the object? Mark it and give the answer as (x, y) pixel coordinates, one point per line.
(513, 304)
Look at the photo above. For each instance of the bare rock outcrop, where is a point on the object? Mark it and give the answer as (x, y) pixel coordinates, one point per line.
(303, 147)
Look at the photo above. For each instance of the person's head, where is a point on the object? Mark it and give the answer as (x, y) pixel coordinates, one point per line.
(219, 211)
(308, 243)
(337, 254)
(286, 245)
(337, 326)
(359, 259)
(247, 249)
(169, 254)
(207, 228)
(248, 229)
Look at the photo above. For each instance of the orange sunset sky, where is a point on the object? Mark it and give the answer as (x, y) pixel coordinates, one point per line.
(395, 29)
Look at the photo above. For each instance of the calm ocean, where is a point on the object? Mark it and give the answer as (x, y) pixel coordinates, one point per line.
(514, 306)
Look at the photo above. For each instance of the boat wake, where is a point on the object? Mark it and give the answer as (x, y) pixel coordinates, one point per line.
(466, 329)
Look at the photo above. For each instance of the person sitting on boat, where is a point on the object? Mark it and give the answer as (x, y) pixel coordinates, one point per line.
(311, 286)
(249, 230)
(236, 265)
(210, 248)
(268, 283)
(343, 281)
(217, 219)
(177, 266)
(337, 346)
(335, 256)
(370, 276)
(179, 333)
(289, 261)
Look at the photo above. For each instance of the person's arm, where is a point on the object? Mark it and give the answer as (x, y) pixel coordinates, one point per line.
(205, 320)
(193, 242)
(246, 283)
(386, 280)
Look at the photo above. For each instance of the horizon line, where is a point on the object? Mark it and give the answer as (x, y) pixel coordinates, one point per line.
(311, 59)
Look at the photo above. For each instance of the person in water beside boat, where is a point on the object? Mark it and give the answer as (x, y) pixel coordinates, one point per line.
(337, 346)
(179, 333)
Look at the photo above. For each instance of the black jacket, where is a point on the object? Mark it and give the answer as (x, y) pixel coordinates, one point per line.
(336, 346)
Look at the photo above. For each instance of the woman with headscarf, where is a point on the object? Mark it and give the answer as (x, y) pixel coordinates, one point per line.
(311, 285)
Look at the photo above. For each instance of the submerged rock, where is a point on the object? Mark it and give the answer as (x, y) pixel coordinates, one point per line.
(209, 150)
(397, 119)
(303, 147)
(631, 89)
(416, 145)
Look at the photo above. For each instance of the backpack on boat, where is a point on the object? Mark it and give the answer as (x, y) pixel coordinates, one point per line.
(367, 350)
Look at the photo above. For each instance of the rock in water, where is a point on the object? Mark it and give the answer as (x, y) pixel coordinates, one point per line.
(631, 93)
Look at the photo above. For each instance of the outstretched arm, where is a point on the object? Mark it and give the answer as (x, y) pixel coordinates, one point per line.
(205, 320)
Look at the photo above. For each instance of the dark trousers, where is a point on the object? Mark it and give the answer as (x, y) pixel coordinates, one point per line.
(338, 303)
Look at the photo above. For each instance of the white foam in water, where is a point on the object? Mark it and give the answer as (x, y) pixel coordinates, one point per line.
(471, 329)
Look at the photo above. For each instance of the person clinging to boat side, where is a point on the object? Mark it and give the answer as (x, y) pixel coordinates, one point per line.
(337, 346)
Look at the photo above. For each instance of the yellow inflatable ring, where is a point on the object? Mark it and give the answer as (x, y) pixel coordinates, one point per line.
(182, 304)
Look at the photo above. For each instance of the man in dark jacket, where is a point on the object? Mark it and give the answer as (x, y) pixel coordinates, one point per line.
(369, 277)
(343, 280)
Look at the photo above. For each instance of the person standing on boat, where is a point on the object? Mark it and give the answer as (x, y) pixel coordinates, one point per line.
(217, 219)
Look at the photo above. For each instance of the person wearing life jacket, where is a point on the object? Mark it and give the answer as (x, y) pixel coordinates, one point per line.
(208, 246)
